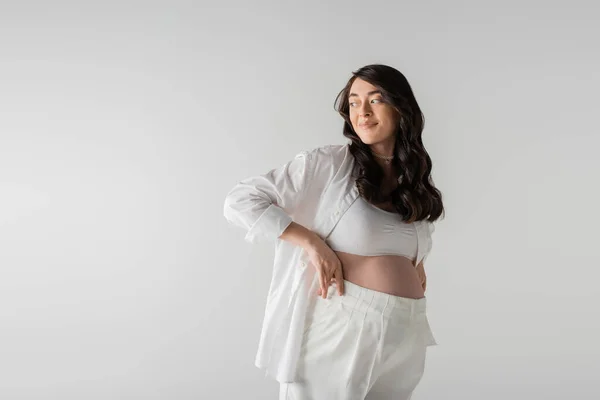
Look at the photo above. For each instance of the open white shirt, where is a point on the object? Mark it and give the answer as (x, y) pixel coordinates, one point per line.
(314, 190)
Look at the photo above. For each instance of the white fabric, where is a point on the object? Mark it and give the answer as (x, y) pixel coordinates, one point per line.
(367, 230)
(363, 345)
(314, 189)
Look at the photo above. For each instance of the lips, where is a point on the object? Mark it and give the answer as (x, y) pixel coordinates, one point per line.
(367, 125)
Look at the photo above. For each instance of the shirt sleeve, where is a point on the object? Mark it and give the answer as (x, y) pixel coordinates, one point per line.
(263, 205)
(431, 228)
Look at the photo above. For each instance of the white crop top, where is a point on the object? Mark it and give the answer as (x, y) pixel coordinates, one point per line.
(367, 230)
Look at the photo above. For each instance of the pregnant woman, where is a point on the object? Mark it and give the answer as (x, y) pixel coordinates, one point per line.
(346, 311)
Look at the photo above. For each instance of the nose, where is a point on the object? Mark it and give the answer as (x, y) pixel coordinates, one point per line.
(364, 111)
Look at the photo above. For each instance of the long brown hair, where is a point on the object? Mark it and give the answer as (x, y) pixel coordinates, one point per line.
(416, 198)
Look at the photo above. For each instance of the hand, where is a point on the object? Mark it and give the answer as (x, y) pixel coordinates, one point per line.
(422, 276)
(328, 266)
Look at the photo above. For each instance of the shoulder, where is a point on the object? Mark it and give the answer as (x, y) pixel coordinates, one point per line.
(331, 154)
(325, 163)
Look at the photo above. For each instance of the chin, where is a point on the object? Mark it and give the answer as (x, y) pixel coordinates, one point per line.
(366, 139)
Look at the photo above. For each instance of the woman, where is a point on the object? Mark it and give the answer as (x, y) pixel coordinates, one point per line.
(346, 315)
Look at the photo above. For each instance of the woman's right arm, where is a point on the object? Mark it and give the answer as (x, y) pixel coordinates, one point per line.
(327, 264)
(263, 205)
(300, 236)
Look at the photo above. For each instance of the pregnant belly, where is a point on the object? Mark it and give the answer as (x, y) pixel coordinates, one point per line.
(395, 275)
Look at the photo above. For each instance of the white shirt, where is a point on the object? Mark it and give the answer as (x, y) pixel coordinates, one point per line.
(314, 190)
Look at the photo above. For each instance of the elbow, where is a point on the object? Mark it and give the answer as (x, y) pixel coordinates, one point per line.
(229, 208)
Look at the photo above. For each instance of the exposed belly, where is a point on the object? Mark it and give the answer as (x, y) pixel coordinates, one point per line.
(395, 275)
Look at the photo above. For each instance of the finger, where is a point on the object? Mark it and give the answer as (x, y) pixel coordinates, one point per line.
(329, 281)
(339, 280)
(323, 287)
(327, 285)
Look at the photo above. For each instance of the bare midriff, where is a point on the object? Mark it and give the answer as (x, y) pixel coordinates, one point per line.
(391, 274)
(395, 275)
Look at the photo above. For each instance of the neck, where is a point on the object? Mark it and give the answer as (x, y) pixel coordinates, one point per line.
(386, 149)
(388, 169)
(382, 150)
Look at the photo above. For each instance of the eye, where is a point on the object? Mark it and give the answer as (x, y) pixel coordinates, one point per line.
(352, 104)
(378, 100)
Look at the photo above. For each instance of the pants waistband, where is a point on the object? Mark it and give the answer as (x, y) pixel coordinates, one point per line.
(368, 300)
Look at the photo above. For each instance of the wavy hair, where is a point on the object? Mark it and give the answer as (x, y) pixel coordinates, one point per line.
(415, 198)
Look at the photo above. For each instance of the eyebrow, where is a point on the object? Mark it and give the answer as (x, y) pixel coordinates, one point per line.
(368, 94)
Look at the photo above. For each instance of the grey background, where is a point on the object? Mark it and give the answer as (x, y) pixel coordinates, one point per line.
(124, 124)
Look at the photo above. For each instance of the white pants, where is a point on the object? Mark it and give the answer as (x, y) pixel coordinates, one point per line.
(364, 345)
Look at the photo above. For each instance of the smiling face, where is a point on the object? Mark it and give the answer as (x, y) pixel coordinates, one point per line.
(373, 120)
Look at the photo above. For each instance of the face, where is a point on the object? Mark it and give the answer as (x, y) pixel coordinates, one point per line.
(373, 120)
